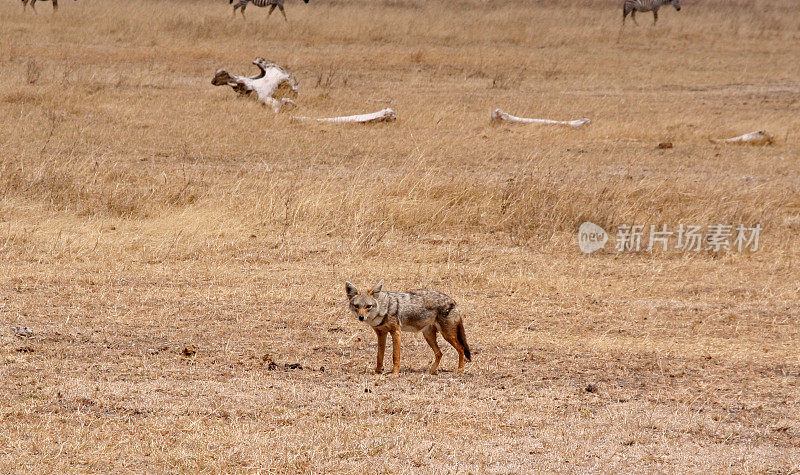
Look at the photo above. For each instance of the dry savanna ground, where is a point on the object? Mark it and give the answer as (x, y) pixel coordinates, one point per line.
(180, 252)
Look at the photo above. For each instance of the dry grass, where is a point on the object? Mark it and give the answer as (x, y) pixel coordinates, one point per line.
(143, 209)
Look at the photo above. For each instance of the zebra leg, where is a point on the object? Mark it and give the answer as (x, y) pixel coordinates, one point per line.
(55, 5)
(271, 9)
(243, 6)
(655, 17)
(33, 5)
(283, 12)
(633, 17)
(24, 4)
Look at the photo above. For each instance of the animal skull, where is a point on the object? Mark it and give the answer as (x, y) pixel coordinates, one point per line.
(272, 80)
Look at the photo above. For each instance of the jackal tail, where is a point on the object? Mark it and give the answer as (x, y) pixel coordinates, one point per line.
(462, 338)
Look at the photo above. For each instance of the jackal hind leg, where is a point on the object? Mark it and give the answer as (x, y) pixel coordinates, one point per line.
(429, 333)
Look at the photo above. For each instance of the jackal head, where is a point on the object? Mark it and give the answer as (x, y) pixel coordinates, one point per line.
(364, 306)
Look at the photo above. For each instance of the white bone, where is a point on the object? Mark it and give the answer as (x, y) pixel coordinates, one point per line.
(265, 84)
(762, 137)
(500, 116)
(384, 115)
(343, 342)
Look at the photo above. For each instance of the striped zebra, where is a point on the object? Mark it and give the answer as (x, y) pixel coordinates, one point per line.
(33, 4)
(633, 6)
(261, 3)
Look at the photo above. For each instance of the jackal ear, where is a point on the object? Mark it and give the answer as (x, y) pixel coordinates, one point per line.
(377, 288)
(351, 289)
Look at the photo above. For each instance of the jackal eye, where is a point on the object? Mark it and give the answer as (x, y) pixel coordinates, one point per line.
(369, 306)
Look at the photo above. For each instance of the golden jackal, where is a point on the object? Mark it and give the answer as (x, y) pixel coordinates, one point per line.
(418, 310)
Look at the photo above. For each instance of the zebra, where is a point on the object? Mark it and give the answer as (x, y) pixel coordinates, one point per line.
(633, 6)
(33, 4)
(261, 3)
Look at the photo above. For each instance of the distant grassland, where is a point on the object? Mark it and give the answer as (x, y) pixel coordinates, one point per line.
(97, 83)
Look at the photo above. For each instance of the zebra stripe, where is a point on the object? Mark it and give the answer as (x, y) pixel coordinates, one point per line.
(264, 3)
(242, 4)
(633, 6)
(33, 4)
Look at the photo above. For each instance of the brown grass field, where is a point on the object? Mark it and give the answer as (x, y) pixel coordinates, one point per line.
(143, 210)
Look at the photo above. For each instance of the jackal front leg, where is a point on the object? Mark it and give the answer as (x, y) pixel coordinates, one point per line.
(381, 348)
(395, 352)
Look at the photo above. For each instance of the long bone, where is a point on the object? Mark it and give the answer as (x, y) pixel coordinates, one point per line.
(762, 137)
(500, 116)
(384, 115)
